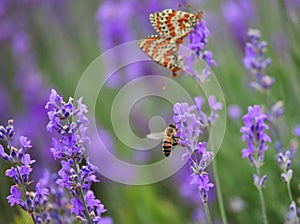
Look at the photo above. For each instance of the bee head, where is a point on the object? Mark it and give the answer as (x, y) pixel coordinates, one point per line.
(172, 126)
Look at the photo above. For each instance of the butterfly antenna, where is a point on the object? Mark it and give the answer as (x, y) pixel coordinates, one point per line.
(197, 13)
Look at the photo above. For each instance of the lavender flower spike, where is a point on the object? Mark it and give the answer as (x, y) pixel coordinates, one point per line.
(189, 120)
(71, 124)
(20, 172)
(255, 61)
(198, 41)
(254, 134)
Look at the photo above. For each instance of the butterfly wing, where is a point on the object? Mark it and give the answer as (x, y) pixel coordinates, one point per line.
(162, 50)
(156, 135)
(174, 24)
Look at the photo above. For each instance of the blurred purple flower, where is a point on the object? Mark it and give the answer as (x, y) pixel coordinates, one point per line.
(234, 111)
(70, 123)
(277, 109)
(215, 106)
(32, 88)
(238, 16)
(255, 62)
(296, 130)
(115, 28)
(114, 23)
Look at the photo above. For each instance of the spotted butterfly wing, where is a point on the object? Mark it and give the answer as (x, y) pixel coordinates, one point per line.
(174, 24)
(162, 50)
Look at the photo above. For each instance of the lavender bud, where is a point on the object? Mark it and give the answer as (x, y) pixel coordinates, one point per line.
(289, 175)
(278, 109)
(293, 206)
(263, 181)
(283, 177)
(256, 180)
(267, 81)
(2, 133)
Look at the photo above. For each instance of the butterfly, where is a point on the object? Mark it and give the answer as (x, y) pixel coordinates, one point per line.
(173, 26)
(162, 50)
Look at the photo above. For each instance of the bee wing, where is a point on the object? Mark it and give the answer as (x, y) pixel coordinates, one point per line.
(156, 135)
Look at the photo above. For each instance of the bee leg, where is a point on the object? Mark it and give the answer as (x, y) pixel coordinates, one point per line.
(175, 139)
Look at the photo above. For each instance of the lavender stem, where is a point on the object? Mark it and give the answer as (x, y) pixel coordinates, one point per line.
(219, 193)
(207, 213)
(262, 200)
(289, 190)
(86, 210)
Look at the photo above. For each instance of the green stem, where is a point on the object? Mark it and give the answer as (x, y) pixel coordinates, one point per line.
(289, 191)
(262, 200)
(207, 213)
(219, 193)
(33, 219)
(86, 210)
(263, 207)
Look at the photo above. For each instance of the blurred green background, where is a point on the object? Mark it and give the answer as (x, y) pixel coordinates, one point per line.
(65, 37)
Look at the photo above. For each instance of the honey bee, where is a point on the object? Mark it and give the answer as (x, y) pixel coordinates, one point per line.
(169, 139)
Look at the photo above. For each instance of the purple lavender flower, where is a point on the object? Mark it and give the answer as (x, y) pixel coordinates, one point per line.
(199, 176)
(284, 160)
(57, 203)
(15, 197)
(198, 38)
(71, 124)
(254, 134)
(255, 61)
(20, 173)
(198, 41)
(189, 121)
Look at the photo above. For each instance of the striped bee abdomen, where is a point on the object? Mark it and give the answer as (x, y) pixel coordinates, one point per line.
(167, 146)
